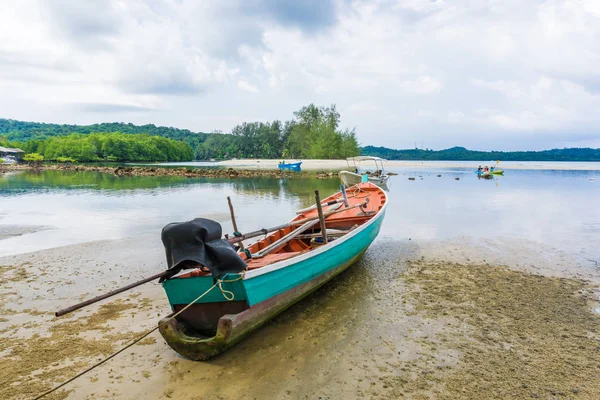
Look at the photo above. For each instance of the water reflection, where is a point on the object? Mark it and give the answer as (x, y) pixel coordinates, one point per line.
(88, 206)
(550, 207)
(36, 181)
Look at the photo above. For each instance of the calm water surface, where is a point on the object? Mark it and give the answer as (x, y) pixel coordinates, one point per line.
(552, 207)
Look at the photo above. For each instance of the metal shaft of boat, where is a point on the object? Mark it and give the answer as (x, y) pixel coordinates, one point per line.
(294, 261)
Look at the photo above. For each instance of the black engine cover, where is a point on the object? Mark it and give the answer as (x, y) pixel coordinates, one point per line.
(199, 242)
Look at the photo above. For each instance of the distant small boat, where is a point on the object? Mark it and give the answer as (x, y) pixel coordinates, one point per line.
(491, 172)
(483, 174)
(378, 177)
(292, 166)
(495, 171)
(278, 271)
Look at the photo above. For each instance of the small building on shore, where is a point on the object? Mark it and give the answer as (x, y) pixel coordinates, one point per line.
(10, 155)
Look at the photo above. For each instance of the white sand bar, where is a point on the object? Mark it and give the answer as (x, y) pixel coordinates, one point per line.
(342, 164)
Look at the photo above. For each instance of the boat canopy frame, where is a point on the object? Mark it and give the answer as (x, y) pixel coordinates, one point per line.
(367, 158)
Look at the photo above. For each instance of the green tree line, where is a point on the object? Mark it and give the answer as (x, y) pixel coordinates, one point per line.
(114, 146)
(462, 154)
(21, 131)
(313, 133)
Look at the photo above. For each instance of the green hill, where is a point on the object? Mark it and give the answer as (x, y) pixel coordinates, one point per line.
(462, 154)
(312, 133)
(298, 138)
(20, 131)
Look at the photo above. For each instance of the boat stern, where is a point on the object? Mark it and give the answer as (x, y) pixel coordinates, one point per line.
(194, 347)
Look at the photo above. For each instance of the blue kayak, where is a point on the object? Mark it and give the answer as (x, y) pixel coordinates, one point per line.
(295, 166)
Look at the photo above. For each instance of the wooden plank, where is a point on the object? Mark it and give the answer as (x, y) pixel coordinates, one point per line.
(321, 218)
(283, 240)
(233, 222)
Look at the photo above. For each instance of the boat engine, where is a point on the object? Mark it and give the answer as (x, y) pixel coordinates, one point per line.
(198, 244)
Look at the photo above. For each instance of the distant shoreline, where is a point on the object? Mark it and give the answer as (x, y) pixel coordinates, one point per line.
(463, 154)
(339, 165)
(162, 170)
(269, 167)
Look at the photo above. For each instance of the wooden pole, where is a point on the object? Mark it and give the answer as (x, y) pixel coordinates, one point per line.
(235, 228)
(321, 218)
(109, 294)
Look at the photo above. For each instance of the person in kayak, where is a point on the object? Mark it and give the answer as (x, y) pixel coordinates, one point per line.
(480, 169)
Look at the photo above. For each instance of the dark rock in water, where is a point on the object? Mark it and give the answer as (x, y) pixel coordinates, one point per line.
(439, 176)
(457, 179)
(411, 179)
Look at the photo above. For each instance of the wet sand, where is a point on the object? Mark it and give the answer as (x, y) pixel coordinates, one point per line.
(440, 319)
(7, 231)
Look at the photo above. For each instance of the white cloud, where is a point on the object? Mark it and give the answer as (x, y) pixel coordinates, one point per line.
(364, 107)
(421, 85)
(455, 117)
(527, 73)
(546, 104)
(244, 85)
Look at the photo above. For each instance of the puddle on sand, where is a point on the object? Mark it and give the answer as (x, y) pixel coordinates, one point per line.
(7, 231)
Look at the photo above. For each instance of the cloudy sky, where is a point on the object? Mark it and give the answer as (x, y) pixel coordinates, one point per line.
(484, 74)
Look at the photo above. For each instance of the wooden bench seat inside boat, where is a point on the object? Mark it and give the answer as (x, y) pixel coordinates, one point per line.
(344, 220)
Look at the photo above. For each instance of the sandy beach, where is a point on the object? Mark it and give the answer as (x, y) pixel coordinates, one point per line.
(437, 319)
(327, 165)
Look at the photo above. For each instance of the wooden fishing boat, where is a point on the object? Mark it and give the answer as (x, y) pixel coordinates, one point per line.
(281, 269)
(291, 166)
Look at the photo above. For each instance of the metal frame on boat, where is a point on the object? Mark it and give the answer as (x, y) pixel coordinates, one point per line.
(352, 178)
(244, 301)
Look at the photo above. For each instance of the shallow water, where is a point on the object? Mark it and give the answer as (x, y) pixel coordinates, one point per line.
(339, 342)
(550, 207)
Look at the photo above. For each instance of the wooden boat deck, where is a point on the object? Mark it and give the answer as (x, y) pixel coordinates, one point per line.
(344, 220)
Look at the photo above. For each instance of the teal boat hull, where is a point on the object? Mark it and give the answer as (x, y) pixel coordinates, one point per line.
(235, 327)
(267, 292)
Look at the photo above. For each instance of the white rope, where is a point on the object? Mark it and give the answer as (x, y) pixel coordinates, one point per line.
(223, 291)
